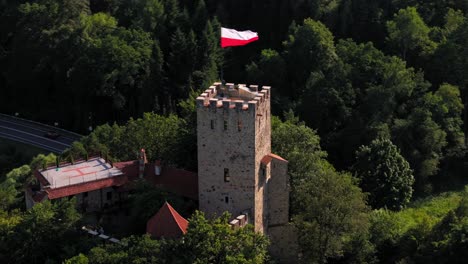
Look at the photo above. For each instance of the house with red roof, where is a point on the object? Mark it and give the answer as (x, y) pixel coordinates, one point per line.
(98, 183)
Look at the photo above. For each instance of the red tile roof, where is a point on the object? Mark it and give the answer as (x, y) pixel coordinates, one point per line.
(274, 156)
(86, 187)
(167, 223)
(267, 159)
(181, 182)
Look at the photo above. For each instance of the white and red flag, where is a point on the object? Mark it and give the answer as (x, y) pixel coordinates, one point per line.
(232, 37)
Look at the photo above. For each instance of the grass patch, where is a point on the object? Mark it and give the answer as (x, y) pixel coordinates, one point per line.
(425, 213)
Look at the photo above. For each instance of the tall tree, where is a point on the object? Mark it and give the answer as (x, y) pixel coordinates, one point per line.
(408, 33)
(333, 211)
(214, 241)
(385, 174)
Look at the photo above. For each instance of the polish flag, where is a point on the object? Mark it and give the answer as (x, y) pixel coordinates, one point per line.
(232, 37)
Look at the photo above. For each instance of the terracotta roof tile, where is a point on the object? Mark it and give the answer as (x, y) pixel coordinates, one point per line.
(167, 223)
(267, 158)
(274, 156)
(86, 187)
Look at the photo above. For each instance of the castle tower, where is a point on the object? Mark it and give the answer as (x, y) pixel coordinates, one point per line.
(234, 131)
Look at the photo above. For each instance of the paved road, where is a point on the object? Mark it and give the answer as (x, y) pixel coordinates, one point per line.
(32, 133)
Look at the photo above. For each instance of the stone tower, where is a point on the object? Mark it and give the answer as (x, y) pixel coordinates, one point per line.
(235, 163)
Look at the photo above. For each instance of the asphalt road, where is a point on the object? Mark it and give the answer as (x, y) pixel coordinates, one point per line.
(32, 133)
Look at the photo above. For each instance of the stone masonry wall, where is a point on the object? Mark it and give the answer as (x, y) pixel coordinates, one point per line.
(233, 135)
(284, 247)
(278, 193)
(263, 148)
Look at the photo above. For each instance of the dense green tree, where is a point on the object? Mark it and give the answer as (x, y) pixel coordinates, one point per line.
(446, 107)
(47, 232)
(8, 223)
(206, 241)
(327, 228)
(162, 137)
(11, 186)
(214, 241)
(79, 259)
(309, 48)
(385, 174)
(408, 33)
(421, 141)
(132, 250)
(333, 210)
(300, 145)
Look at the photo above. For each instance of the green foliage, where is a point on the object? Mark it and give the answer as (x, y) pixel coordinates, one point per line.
(206, 241)
(385, 174)
(299, 145)
(132, 250)
(47, 232)
(11, 186)
(410, 233)
(408, 32)
(214, 241)
(333, 211)
(80, 259)
(160, 137)
(329, 209)
(41, 161)
(446, 107)
(146, 201)
(421, 141)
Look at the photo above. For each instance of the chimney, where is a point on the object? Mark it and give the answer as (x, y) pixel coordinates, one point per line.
(142, 162)
(157, 167)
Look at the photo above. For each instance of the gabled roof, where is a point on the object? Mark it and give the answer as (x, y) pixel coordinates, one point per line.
(167, 223)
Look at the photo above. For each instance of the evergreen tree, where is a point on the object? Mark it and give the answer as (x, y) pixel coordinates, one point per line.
(385, 174)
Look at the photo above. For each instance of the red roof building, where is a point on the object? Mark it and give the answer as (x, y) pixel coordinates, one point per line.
(167, 223)
(84, 178)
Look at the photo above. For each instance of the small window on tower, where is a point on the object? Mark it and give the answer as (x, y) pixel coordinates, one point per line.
(212, 124)
(239, 125)
(226, 199)
(227, 178)
(225, 125)
(109, 196)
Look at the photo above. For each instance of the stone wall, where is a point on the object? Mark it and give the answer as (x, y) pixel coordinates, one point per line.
(98, 199)
(284, 247)
(278, 193)
(233, 135)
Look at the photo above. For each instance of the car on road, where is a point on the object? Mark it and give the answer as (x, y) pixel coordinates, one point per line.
(52, 135)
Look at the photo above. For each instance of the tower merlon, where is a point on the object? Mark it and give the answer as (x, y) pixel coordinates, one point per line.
(230, 96)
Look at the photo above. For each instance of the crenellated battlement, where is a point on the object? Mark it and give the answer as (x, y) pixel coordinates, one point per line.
(231, 96)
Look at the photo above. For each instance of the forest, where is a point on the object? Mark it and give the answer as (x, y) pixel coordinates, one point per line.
(369, 99)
